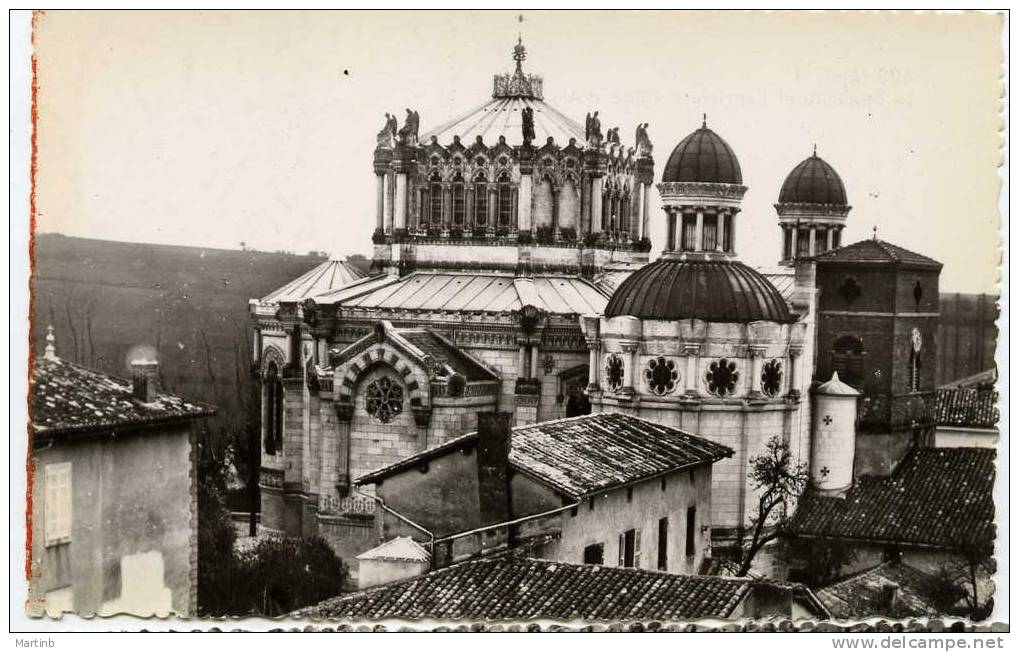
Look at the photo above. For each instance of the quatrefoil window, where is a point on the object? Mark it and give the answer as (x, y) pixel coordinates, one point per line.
(661, 375)
(614, 372)
(722, 377)
(384, 399)
(771, 377)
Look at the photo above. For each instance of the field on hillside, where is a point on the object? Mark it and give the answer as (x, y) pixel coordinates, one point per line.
(109, 302)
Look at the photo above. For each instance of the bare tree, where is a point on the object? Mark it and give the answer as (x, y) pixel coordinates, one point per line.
(779, 480)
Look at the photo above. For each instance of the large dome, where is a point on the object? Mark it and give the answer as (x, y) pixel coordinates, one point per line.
(813, 182)
(703, 156)
(714, 291)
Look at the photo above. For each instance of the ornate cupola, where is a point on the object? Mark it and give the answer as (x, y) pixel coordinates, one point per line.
(517, 84)
(812, 209)
(702, 188)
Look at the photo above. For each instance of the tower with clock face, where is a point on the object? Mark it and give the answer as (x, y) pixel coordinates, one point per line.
(877, 328)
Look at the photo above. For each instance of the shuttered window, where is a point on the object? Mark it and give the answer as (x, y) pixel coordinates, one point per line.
(629, 549)
(57, 517)
(691, 531)
(663, 544)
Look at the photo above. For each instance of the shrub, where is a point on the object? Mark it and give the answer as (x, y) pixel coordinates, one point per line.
(281, 575)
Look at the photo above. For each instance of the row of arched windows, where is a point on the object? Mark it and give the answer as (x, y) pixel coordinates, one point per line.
(457, 204)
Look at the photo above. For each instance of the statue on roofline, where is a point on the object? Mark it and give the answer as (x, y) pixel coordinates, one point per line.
(409, 132)
(387, 137)
(528, 125)
(592, 131)
(643, 141)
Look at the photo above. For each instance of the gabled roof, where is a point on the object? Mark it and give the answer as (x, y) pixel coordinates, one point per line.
(584, 455)
(330, 275)
(68, 399)
(398, 549)
(975, 408)
(874, 251)
(508, 587)
(865, 595)
(471, 292)
(937, 497)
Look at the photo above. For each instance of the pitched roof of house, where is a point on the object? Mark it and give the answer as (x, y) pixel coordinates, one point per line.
(509, 587)
(937, 497)
(876, 251)
(68, 399)
(973, 408)
(865, 595)
(583, 455)
(398, 549)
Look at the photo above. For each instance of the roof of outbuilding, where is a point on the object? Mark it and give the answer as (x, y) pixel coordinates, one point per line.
(715, 291)
(876, 251)
(937, 497)
(584, 455)
(508, 587)
(68, 399)
(703, 157)
(813, 181)
(863, 595)
(977, 408)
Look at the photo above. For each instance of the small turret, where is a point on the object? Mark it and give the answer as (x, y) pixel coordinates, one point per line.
(834, 438)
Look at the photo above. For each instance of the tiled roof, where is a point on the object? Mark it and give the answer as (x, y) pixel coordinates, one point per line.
(876, 251)
(865, 595)
(398, 549)
(976, 408)
(507, 587)
(444, 352)
(463, 292)
(940, 497)
(584, 455)
(330, 275)
(68, 399)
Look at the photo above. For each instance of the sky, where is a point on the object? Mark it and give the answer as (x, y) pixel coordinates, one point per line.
(215, 128)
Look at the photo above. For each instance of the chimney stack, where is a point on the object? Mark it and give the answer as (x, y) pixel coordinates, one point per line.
(494, 499)
(145, 375)
(890, 597)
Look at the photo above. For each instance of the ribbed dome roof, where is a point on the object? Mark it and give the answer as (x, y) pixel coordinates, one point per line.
(703, 156)
(715, 291)
(813, 182)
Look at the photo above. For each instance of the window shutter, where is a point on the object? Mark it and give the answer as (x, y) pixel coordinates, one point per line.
(622, 549)
(636, 549)
(57, 503)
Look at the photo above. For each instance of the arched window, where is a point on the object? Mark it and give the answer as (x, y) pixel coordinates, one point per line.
(624, 212)
(273, 410)
(505, 201)
(435, 200)
(836, 238)
(847, 359)
(480, 200)
(459, 204)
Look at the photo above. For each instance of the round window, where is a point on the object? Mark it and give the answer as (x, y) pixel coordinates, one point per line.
(661, 375)
(614, 372)
(722, 377)
(384, 399)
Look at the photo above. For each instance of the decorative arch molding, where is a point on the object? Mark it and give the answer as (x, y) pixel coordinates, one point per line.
(271, 353)
(384, 355)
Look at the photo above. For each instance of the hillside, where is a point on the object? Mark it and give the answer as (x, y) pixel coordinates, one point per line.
(109, 301)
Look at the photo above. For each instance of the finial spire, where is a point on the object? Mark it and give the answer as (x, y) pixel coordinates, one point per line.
(815, 149)
(704, 121)
(51, 349)
(875, 231)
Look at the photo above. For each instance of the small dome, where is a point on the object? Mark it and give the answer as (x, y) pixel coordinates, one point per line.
(813, 182)
(703, 156)
(715, 291)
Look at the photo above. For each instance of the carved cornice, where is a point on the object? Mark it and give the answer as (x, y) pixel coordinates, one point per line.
(678, 191)
(799, 209)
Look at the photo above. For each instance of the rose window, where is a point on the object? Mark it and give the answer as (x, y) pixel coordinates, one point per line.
(661, 375)
(722, 377)
(384, 399)
(771, 377)
(614, 372)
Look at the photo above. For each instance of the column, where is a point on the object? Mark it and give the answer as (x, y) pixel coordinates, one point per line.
(796, 237)
(555, 210)
(640, 208)
(514, 224)
(493, 200)
(720, 219)
(812, 251)
(698, 237)
(400, 219)
(690, 378)
(794, 357)
(521, 361)
(380, 201)
(645, 202)
(534, 361)
(671, 215)
(447, 206)
(596, 209)
(524, 203)
(756, 355)
(388, 204)
(830, 232)
(593, 365)
(629, 365)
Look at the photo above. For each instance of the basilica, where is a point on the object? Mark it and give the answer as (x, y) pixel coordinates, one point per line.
(513, 272)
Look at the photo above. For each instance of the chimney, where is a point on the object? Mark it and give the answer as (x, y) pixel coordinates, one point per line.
(494, 499)
(889, 597)
(146, 383)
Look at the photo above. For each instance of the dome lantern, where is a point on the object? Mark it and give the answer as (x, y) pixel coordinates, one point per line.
(702, 190)
(812, 209)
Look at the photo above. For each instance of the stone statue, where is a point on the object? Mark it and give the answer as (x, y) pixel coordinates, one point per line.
(528, 126)
(612, 136)
(643, 141)
(387, 137)
(593, 131)
(409, 132)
